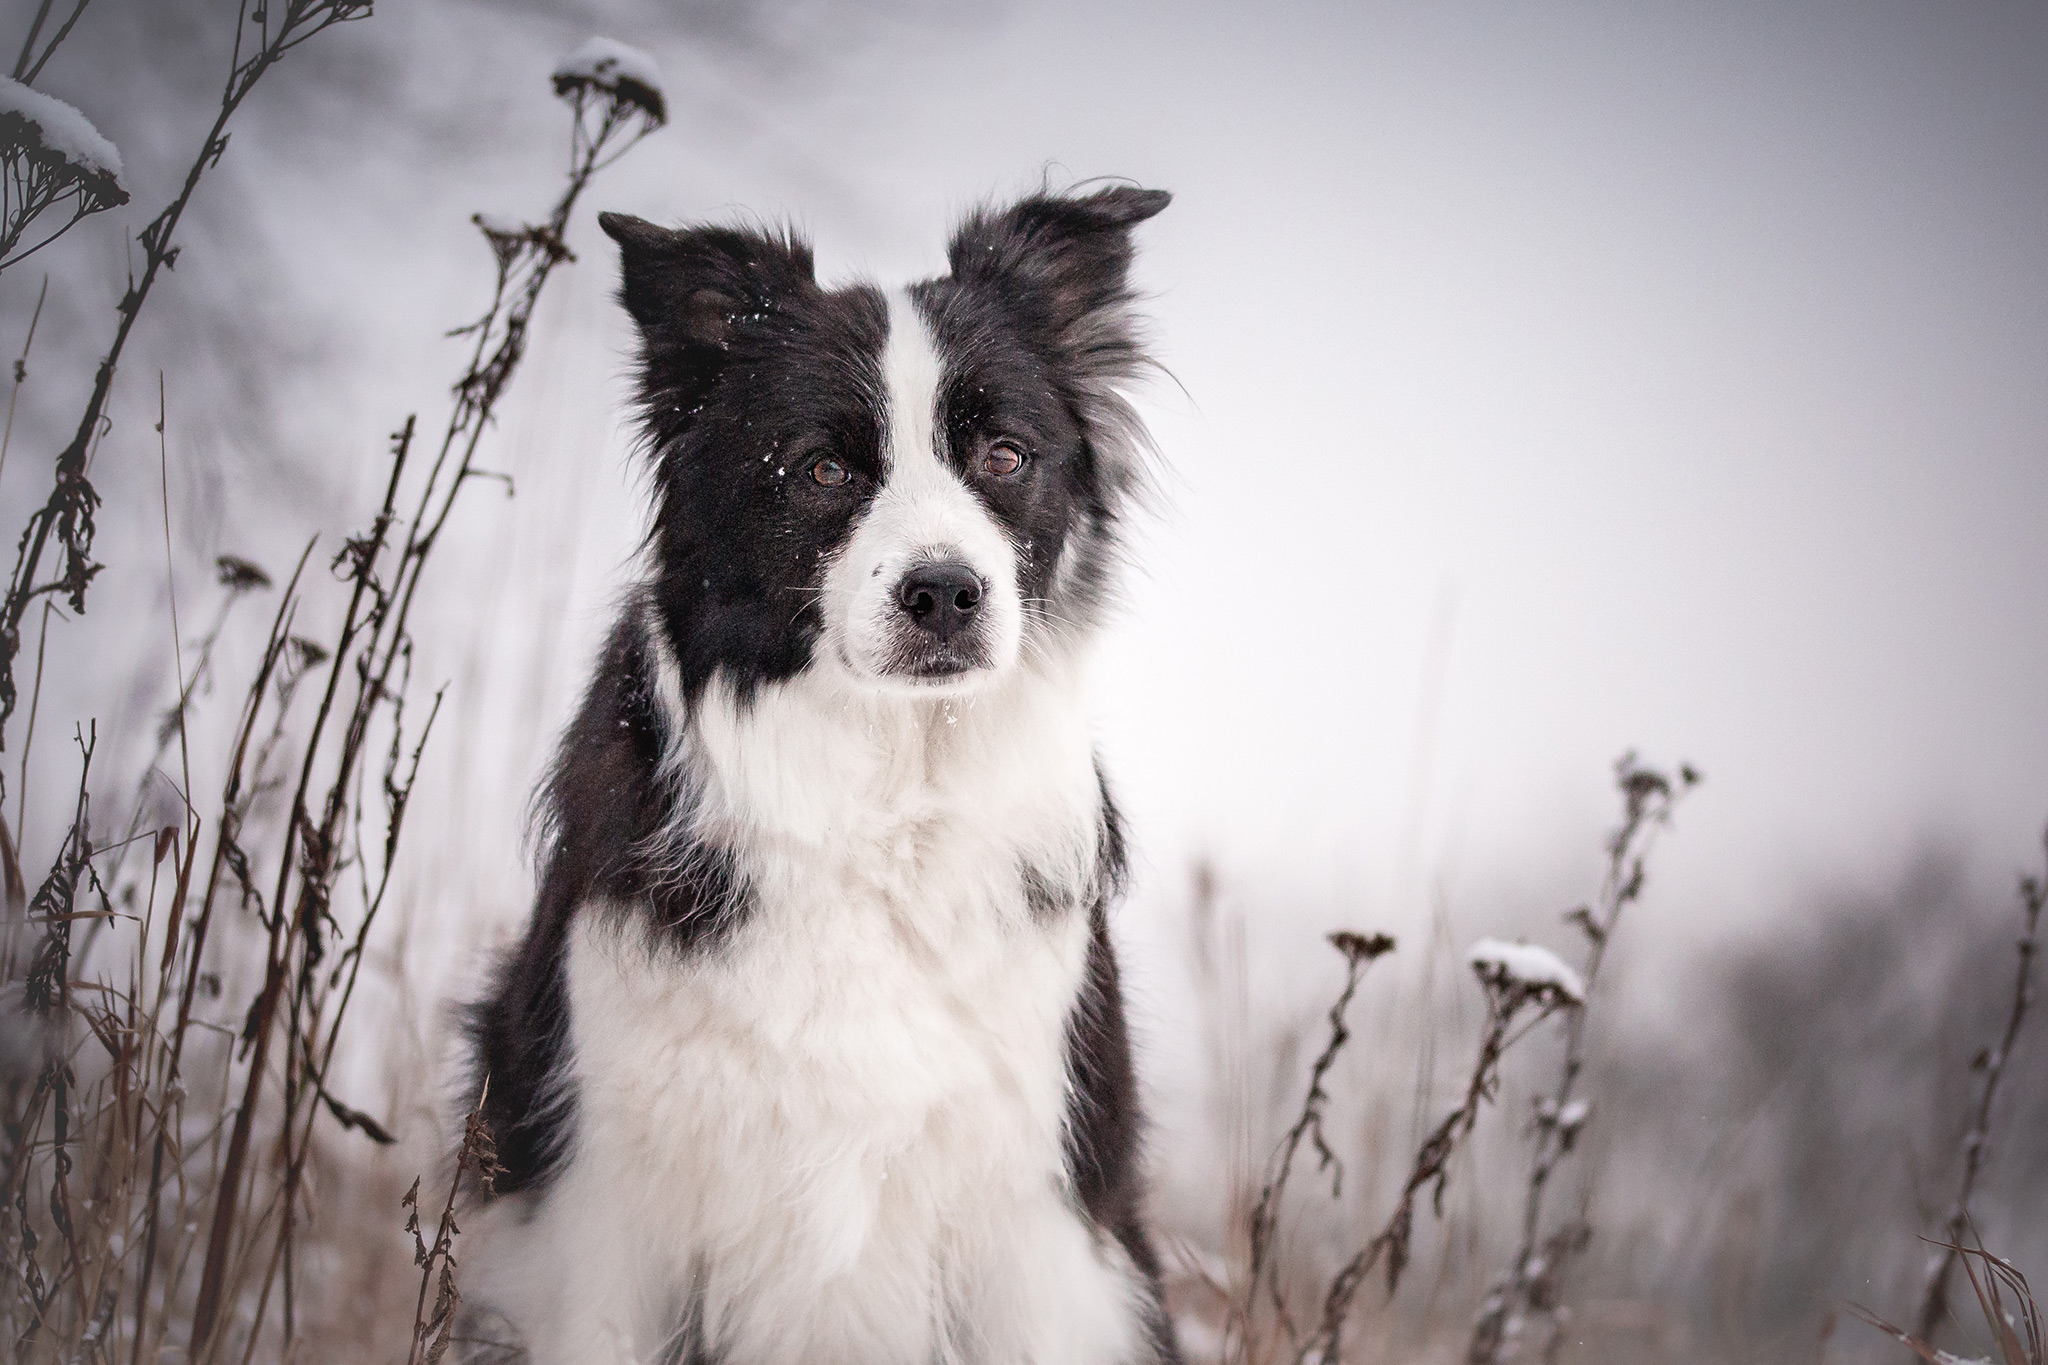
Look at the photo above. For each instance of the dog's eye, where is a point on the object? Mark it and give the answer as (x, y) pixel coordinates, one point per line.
(1002, 460)
(830, 472)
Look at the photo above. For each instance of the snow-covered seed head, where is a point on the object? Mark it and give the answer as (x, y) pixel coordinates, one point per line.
(44, 139)
(1525, 969)
(624, 75)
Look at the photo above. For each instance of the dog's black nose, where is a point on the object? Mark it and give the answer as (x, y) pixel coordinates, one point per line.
(942, 598)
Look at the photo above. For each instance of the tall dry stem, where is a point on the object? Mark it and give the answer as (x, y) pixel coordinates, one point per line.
(1528, 1299)
(273, 29)
(1510, 1000)
(1990, 1067)
(1247, 1333)
(195, 1137)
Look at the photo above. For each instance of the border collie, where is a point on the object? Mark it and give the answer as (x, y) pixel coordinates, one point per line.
(814, 1049)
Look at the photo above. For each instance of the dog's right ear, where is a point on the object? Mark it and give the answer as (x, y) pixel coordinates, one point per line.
(692, 288)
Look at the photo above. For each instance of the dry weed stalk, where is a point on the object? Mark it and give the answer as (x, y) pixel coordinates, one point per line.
(433, 1332)
(1989, 1065)
(375, 646)
(26, 70)
(1530, 1294)
(2016, 1330)
(1245, 1337)
(210, 1183)
(1509, 996)
(263, 36)
(47, 1009)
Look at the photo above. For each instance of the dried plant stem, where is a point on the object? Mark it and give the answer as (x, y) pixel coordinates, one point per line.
(1649, 797)
(21, 373)
(277, 948)
(48, 1005)
(2015, 1327)
(1360, 952)
(433, 1332)
(69, 513)
(227, 1199)
(25, 71)
(1990, 1067)
(234, 798)
(375, 649)
(1507, 998)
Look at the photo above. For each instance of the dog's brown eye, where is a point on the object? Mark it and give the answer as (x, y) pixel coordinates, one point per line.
(830, 472)
(1002, 460)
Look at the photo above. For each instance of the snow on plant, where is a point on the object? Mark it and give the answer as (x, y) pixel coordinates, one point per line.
(613, 88)
(1524, 986)
(1503, 964)
(615, 94)
(51, 157)
(264, 36)
(624, 74)
(117, 1223)
(1525, 1305)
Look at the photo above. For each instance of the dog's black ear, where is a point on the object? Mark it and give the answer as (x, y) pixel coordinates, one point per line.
(689, 288)
(1067, 254)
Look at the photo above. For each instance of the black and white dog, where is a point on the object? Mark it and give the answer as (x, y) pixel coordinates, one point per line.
(814, 1049)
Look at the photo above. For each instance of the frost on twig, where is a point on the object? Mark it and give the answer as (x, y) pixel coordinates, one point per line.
(625, 75)
(50, 155)
(1524, 1315)
(1538, 969)
(1524, 986)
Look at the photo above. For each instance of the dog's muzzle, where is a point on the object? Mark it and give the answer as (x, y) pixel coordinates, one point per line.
(941, 619)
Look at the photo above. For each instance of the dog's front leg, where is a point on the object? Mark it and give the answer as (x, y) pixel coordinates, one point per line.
(583, 1293)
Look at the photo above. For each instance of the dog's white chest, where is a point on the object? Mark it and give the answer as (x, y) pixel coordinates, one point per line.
(835, 1133)
(868, 1068)
(840, 1135)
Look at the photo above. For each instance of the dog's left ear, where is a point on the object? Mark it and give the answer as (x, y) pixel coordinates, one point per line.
(1069, 255)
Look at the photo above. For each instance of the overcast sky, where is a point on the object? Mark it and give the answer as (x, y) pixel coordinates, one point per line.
(1551, 380)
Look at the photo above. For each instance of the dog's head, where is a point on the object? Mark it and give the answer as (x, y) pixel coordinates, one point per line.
(910, 489)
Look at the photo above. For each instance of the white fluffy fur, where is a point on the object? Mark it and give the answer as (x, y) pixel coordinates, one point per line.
(839, 1134)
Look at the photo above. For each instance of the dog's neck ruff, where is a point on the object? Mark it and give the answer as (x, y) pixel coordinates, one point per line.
(817, 765)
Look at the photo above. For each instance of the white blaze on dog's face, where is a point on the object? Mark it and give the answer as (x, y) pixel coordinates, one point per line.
(925, 593)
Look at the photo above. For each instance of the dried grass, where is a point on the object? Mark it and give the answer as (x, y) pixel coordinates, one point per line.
(186, 1175)
(176, 1181)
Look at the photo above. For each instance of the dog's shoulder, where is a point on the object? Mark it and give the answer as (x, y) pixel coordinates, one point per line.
(608, 822)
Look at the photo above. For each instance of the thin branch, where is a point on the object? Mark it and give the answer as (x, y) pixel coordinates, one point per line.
(1360, 952)
(1989, 1065)
(68, 515)
(1533, 1285)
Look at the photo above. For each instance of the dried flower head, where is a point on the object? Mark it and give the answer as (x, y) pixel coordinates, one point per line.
(1524, 968)
(625, 75)
(239, 575)
(50, 155)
